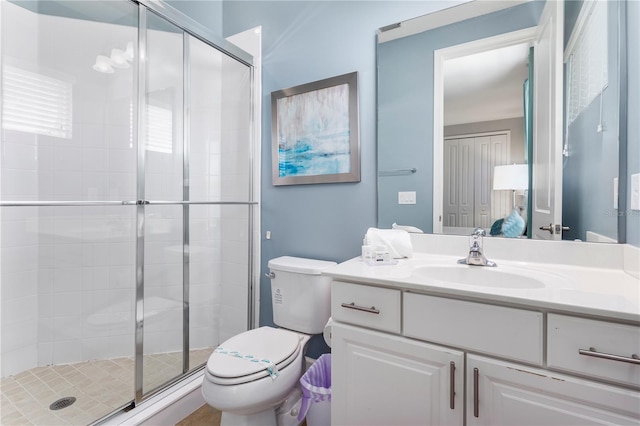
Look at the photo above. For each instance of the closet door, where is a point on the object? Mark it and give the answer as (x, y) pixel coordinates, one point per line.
(458, 199)
(466, 185)
(451, 173)
(483, 182)
(469, 199)
(501, 202)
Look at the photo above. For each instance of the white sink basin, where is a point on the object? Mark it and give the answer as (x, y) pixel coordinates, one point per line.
(482, 276)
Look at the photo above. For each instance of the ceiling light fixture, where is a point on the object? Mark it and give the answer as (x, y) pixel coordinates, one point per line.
(103, 64)
(118, 59)
(128, 52)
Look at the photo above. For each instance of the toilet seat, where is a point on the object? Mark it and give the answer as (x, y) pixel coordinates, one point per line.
(243, 358)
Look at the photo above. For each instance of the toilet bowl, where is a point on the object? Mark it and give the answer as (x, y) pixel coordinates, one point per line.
(253, 377)
(243, 388)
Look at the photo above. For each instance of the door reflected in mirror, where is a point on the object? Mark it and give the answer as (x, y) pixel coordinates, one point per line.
(484, 128)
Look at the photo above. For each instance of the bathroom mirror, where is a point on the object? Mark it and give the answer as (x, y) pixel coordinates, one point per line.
(421, 119)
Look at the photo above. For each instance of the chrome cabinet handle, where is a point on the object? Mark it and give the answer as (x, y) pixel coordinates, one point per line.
(634, 359)
(452, 384)
(352, 305)
(476, 398)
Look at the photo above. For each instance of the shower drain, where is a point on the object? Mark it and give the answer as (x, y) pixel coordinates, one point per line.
(62, 403)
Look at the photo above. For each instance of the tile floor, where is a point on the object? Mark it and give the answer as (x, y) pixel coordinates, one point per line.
(99, 386)
(205, 415)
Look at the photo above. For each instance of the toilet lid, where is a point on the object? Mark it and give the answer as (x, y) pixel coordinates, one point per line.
(264, 344)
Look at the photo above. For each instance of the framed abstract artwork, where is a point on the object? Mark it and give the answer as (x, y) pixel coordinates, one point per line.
(315, 133)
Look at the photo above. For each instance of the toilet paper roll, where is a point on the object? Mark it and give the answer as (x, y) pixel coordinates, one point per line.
(326, 333)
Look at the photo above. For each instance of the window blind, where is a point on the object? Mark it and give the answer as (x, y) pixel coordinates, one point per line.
(587, 73)
(159, 129)
(36, 103)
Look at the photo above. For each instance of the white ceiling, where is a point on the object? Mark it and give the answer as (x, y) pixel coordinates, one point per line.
(485, 86)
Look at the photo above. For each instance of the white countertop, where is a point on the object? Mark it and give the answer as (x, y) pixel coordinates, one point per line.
(594, 291)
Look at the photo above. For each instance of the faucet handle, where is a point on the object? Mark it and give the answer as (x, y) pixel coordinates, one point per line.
(479, 232)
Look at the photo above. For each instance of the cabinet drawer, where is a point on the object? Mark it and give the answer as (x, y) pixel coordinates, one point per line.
(568, 335)
(496, 330)
(372, 307)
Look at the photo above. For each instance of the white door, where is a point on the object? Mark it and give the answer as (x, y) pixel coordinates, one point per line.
(501, 393)
(547, 124)
(500, 202)
(466, 187)
(381, 379)
(450, 183)
(483, 182)
(459, 176)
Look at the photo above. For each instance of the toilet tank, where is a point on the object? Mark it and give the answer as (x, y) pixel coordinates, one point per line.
(300, 295)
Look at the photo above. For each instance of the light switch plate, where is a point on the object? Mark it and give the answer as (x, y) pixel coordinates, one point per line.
(407, 197)
(635, 192)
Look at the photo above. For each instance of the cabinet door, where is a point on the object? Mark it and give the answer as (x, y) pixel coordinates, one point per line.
(381, 379)
(500, 393)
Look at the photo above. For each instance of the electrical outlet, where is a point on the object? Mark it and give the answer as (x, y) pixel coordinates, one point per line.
(407, 197)
(635, 192)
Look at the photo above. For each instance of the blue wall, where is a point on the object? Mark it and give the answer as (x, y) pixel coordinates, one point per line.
(406, 113)
(304, 42)
(593, 160)
(207, 13)
(633, 114)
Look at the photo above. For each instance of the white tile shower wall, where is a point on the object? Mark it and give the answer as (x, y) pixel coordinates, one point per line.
(205, 224)
(235, 180)
(88, 256)
(84, 256)
(204, 277)
(18, 245)
(19, 280)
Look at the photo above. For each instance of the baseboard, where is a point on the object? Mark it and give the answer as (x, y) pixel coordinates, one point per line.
(167, 408)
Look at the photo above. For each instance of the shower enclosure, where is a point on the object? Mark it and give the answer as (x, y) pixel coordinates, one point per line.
(127, 204)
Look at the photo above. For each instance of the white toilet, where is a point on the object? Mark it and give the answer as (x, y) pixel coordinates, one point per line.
(252, 377)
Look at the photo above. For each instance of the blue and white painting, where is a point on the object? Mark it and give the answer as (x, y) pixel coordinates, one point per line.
(313, 132)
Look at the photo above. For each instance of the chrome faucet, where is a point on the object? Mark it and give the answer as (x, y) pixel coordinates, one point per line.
(476, 256)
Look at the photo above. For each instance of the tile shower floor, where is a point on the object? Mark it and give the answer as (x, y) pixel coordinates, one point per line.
(99, 386)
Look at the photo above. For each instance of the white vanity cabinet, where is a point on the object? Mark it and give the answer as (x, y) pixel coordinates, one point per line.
(399, 359)
(504, 393)
(384, 378)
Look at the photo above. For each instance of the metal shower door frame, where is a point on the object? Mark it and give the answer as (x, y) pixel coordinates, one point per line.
(190, 28)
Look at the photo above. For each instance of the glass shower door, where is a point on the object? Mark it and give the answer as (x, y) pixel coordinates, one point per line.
(68, 171)
(161, 186)
(197, 212)
(220, 167)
